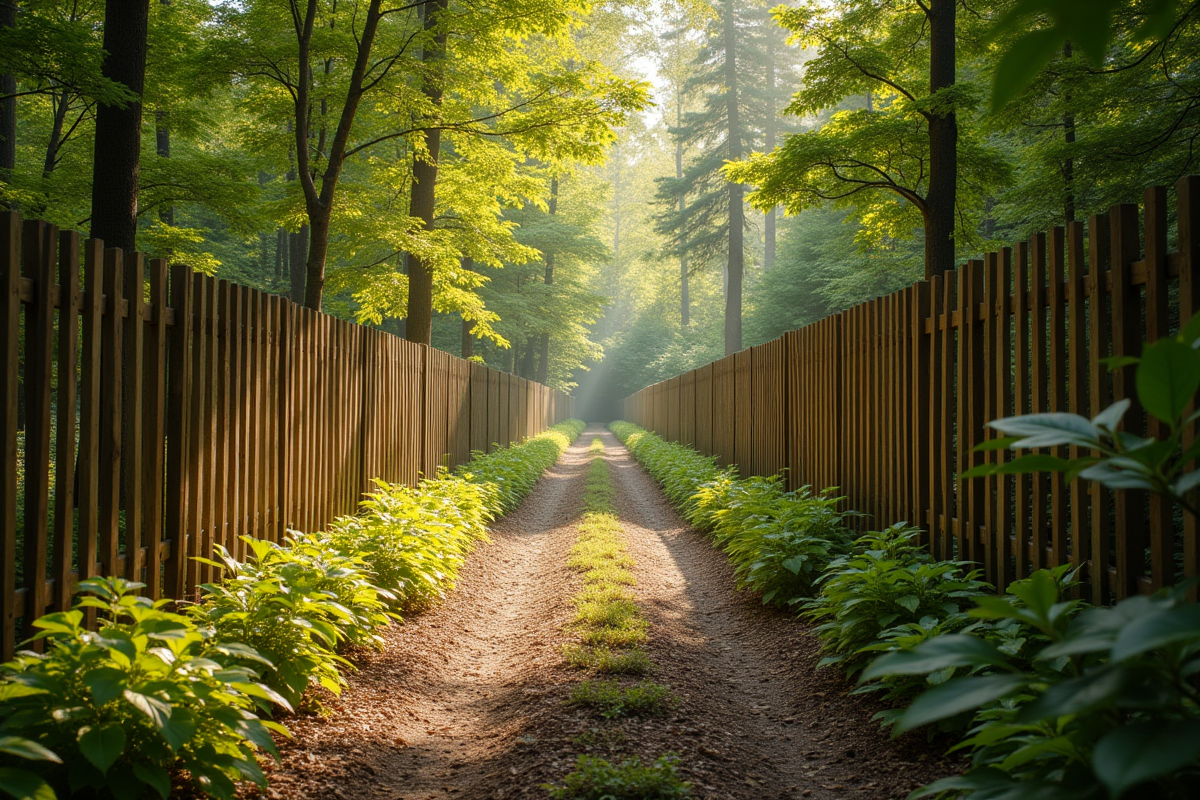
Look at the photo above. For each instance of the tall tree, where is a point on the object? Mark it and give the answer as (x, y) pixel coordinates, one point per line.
(904, 141)
(704, 215)
(118, 146)
(8, 101)
(419, 326)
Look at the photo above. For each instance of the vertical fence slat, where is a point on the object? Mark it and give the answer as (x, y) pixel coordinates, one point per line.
(131, 411)
(1057, 394)
(1077, 381)
(1187, 194)
(112, 334)
(1098, 327)
(40, 257)
(10, 338)
(154, 386)
(1020, 403)
(1129, 531)
(1161, 525)
(66, 398)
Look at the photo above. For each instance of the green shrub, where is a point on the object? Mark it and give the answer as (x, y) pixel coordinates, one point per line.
(295, 605)
(612, 700)
(1101, 702)
(778, 541)
(145, 694)
(415, 541)
(887, 584)
(597, 779)
(509, 473)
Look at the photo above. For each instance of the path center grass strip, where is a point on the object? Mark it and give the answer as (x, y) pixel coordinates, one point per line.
(611, 629)
(608, 622)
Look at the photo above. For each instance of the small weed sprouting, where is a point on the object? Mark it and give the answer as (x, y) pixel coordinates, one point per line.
(606, 661)
(613, 700)
(597, 779)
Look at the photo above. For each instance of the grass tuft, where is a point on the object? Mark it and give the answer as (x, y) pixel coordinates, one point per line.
(597, 779)
(612, 700)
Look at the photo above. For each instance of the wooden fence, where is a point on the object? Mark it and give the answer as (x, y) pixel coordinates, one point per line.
(151, 413)
(887, 399)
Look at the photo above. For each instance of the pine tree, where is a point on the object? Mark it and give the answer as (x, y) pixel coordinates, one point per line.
(705, 219)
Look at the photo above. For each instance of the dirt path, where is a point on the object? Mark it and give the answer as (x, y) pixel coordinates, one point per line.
(467, 700)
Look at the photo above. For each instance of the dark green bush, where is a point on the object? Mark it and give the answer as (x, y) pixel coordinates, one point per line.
(149, 692)
(871, 598)
(779, 541)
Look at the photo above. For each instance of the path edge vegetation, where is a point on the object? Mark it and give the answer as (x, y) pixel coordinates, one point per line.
(1049, 696)
(609, 629)
(165, 687)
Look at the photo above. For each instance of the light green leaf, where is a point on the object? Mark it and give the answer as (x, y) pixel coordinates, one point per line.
(27, 748)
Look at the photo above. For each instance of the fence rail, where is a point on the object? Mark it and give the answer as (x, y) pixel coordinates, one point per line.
(887, 399)
(150, 413)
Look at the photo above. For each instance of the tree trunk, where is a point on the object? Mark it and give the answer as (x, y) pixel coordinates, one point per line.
(59, 103)
(684, 303)
(737, 224)
(424, 190)
(468, 341)
(543, 368)
(529, 367)
(162, 141)
(119, 130)
(297, 261)
(769, 145)
(282, 267)
(8, 105)
(1068, 169)
(943, 143)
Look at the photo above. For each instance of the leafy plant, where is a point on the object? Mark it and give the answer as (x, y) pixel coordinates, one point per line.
(148, 692)
(1107, 702)
(597, 779)
(888, 583)
(23, 784)
(294, 604)
(613, 700)
(779, 541)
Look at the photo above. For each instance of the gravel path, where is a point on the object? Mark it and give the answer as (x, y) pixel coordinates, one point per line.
(467, 699)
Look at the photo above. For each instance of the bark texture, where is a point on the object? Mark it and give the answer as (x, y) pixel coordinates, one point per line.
(118, 145)
(943, 143)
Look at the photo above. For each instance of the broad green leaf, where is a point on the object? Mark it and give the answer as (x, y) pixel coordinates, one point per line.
(1167, 627)
(27, 748)
(24, 785)
(1048, 429)
(1167, 378)
(105, 683)
(940, 652)
(1024, 59)
(155, 777)
(102, 745)
(958, 695)
(1134, 754)
(1098, 688)
(1039, 592)
(158, 711)
(1111, 417)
